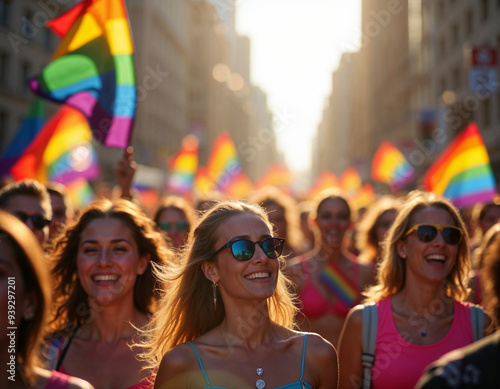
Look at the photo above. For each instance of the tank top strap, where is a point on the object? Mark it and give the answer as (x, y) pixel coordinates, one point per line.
(201, 364)
(303, 358)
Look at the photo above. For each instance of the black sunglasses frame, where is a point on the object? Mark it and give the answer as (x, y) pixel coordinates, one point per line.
(436, 228)
(276, 248)
(38, 220)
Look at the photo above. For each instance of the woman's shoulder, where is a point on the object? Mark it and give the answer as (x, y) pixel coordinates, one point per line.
(51, 379)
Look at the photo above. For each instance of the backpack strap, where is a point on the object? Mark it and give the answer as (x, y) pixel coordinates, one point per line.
(369, 340)
(477, 321)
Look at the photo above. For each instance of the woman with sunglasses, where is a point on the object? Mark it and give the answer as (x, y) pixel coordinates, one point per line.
(227, 319)
(175, 215)
(329, 280)
(419, 296)
(104, 292)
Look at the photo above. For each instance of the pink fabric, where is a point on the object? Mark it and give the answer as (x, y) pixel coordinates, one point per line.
(398, 363)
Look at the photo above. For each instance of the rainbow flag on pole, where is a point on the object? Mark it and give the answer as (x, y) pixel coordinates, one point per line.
(183, 166)
(93, 69)
(462, 173)
(225, 170)
(350, 181)
(389, 165)
(60, 152)
(30, 127)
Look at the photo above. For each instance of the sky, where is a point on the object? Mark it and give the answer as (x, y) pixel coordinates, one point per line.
(296, 45)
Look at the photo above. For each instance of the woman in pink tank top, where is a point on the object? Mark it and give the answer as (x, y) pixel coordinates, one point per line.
(25, 291)
(329, 279)
(421, 286)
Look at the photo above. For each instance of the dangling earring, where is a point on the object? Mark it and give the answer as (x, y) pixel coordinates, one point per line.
(214, 294)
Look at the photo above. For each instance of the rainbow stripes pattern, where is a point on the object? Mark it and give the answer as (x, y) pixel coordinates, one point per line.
(339, 284)
(462, 173)
(390, 166)
(183, 167)
(93, 69)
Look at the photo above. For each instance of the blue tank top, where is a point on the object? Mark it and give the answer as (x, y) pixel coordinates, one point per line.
(300, 384)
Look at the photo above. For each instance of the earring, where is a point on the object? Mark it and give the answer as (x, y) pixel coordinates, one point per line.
(214, 294)
(29, 315)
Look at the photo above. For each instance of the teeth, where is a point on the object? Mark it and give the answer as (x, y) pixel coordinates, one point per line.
(257, 275)
(104, 278)
(436, 257)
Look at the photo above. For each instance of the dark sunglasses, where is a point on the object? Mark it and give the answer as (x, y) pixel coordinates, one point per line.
(428, 232)
(244, 249)
(180, 226)
(39, 221)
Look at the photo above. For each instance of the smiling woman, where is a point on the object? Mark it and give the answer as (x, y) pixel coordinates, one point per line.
(105, 291)
(230, 303)
(419, 295)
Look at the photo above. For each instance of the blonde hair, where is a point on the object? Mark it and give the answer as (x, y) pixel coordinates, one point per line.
(391, 276)
(185, 310)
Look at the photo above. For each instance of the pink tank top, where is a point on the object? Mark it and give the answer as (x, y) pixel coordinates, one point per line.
(398, 363)
(57, 381)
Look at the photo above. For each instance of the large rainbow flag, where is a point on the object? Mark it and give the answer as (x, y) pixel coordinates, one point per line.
(225, 170)
(93, 69)
(390, 166)
(183, 166)
(462, 173)
(28, 130)
(60, 152)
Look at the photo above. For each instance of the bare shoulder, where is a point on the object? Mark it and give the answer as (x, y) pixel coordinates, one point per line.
(77, 383)
(44, 376)
(320, 349)
(355, 315)
(177, 362)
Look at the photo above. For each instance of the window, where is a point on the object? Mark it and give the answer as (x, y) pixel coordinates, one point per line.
(484, 9)
(28, 29)
(5, 8)
(25, 74)
(4, 62)
(469, 22)
(455, 38)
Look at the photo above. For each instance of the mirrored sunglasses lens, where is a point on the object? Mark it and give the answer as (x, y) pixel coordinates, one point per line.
(451, 235)
(426, 233)
(243, 250)
(181, 226)
(272, 247)
(165, 226)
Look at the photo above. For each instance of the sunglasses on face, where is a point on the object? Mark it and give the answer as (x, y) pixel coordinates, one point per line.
(244, 249)
(179, 226)
(428, 232)
(38, 220)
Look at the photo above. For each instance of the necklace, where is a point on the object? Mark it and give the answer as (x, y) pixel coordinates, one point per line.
(260, 383)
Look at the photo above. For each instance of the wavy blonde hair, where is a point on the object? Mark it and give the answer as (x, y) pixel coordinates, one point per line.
(391, 276)
(185, 310)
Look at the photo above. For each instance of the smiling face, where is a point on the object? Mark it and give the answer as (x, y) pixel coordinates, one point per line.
(432, 260)
(108, 261)
(333, 221)
(252, 279)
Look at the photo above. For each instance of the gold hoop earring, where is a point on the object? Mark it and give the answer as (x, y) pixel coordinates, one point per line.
(214, 294)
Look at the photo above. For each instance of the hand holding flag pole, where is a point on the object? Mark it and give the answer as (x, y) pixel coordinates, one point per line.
(125, 171)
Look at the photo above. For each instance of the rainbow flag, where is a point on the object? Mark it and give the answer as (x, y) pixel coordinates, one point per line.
(350, 181)
(340, 285)
(93, 69)
(225, 170)
(202, 182)
(389, 165)
(462, 173)
(183, 166)
(276, 175)
(324, 181)
(28, 130)
(61, 151)
(80, 192)
(364, 197)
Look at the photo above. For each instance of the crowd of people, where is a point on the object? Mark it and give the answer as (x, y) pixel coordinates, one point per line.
(266, 292)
